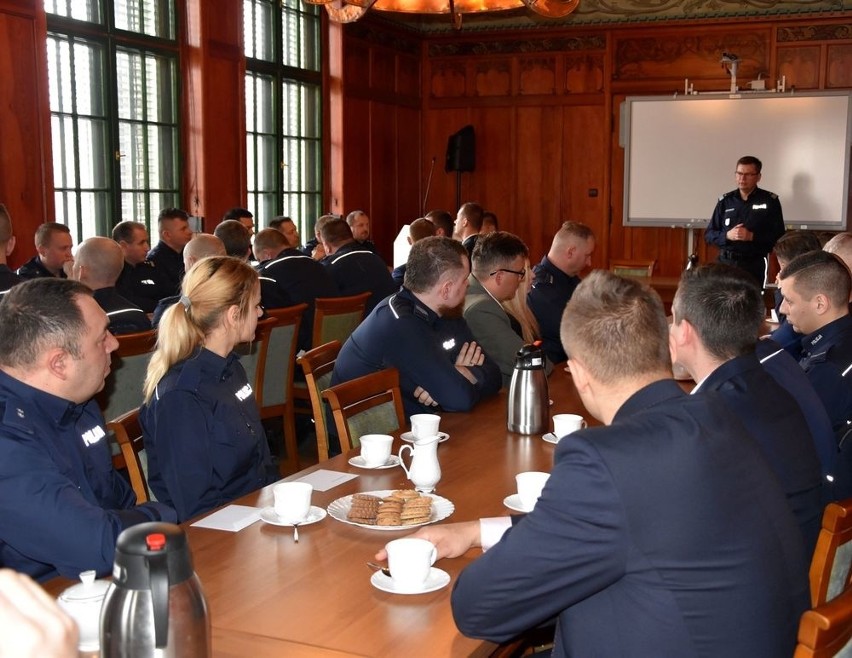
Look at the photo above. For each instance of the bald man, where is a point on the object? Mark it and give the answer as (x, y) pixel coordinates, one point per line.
(98, 264)
(201, 246)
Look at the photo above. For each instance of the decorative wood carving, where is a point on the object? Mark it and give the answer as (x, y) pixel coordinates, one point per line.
(493, 78)
(824, 32)
(691, 55)
(584, 74)
(448, 80)
(537, 75)
(799, 66)
(494, 47)
(840, 67)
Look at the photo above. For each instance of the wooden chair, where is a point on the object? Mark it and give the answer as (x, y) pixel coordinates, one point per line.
(335, 318)
(274, 391)
(826, 631)
(128, 435)
(371, 404)
(831, 565)
(634, 268)
(318, 365)
(122, 391)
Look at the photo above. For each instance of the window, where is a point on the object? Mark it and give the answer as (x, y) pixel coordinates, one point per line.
(283, 110)
(113, 75)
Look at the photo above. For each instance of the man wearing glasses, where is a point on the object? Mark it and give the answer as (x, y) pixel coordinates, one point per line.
(498, 266)
(746, 222)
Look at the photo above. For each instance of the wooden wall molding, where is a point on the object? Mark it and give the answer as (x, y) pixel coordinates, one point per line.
(466, 48)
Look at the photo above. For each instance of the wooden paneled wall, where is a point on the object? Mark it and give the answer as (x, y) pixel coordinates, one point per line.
(545, 108)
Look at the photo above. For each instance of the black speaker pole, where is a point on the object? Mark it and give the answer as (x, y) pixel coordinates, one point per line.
(458, 189)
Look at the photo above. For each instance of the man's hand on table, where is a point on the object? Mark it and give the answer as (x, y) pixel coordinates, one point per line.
(451, 539)
(423, 397)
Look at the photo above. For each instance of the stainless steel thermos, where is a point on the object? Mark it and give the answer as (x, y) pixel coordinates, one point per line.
(529, 403)
(154, 606)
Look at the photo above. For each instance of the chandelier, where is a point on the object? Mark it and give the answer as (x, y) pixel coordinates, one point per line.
(348, 11)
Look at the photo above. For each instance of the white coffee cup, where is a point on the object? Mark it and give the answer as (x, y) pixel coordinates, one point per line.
(410, 560)
(564, 424)
(292, 501)
(425, 425)
(375, 449)
(530, 484)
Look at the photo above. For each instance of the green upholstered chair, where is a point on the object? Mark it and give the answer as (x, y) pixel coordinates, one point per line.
(122, 391)
(318, 365)
(131, 455)
(826, 630)
(335, 318)
(634, 268)
(831, 565)
(371, 404)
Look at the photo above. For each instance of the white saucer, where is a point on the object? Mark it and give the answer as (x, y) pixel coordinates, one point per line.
(409, 436)
(550, 437)
(358, 462)
(268, 515)
(514, 502)
(437, 579)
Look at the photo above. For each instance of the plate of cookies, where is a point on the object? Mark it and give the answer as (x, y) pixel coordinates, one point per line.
(390, 509)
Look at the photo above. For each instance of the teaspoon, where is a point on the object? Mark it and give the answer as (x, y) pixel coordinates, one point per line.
(379, 567)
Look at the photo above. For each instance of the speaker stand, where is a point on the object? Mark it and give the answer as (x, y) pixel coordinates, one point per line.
(458, 189)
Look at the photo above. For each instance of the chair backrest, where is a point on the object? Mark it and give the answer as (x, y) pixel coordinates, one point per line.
(131, 456)
(337, 317)
(318, 365)
(122, 389)
(831, 565)
(253, 355)
(277, 384)
(826, 631)
(371, 404)
(635, 268)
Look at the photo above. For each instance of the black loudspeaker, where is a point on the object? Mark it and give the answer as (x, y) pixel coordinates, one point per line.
(461, 151)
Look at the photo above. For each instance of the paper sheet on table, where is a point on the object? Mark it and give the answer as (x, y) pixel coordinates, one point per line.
(232, 518)
(323, 479)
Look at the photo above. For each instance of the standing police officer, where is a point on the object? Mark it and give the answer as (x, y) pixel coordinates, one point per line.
(746, 222)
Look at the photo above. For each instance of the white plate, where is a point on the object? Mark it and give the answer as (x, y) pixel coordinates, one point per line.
(550, 437)
(441, 509)
(268, 515)
(437, 579)
(358, 462)
(514, 502)
(409, 436)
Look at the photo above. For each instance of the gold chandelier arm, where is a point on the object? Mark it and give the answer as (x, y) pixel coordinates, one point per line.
(366, 4)
(552, 8)
(341, 12)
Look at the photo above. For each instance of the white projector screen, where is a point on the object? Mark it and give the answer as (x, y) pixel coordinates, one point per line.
(681, 153)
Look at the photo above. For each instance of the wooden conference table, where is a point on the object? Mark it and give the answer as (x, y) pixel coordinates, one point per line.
(269, 596)
(316, 594)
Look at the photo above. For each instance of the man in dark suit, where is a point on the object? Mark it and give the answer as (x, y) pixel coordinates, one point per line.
(656, 535)
(718, 312)
(468, 225)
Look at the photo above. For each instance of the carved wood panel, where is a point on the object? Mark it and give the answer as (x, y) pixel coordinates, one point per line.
(839, 75)
(800, 66)
(584, 74)
(448, 79)
(493, 78)
(537, 76)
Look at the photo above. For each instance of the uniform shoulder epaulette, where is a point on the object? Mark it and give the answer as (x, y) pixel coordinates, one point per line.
(773, 195)
(403, 306)
(148, 263)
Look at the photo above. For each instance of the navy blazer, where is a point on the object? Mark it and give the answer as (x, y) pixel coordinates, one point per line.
(663, 534)
(773, 418)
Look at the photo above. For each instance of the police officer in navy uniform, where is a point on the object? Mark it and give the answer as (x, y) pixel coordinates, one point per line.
(62, 505)
(53, 244)
(359, 222)
(140, 281)
(354, 269)
(7, 244)
(746, 222)
(289, 277)
(556, 277)
(98, 264)
(173, 227)
(420, 332)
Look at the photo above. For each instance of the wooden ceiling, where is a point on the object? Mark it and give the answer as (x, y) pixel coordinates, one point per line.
(598, 12)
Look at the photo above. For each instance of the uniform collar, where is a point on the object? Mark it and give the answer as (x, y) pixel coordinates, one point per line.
(731, 368)
(825, 336)
(419, 309)
(59, 410)
(559, 277)
(649, 396)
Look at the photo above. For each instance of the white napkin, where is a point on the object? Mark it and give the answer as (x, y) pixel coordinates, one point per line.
(232, 518)
(323, 479)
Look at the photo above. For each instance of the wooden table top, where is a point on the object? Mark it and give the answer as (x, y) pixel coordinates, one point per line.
(267, 593)
(259, 582)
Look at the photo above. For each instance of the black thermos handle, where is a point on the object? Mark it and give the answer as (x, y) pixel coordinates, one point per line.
(159, 570)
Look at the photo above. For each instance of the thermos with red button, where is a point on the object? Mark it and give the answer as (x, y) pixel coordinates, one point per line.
(154, 606)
